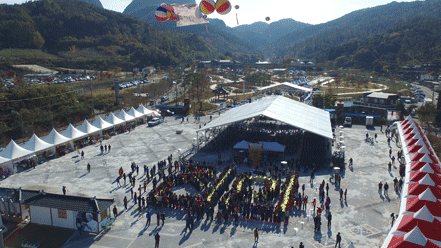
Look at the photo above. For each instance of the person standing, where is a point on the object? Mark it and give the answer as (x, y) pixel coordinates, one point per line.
(327, 189)
(125, 202)
(380, 187)
(158, 218)
(256, 235)
(102, 149)
(105, 148)
(301, 245)
(149, 218)
(109, 147)
(115, 211)
(163, 217)
(338, 241)
(341, 194)
(88, 167)
(82, 154)
(117, 182)
(157, 237)
(329, 219)
(346, 193)
(64, 190)
(386, 187)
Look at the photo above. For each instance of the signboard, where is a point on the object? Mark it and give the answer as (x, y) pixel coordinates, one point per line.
(255, 153)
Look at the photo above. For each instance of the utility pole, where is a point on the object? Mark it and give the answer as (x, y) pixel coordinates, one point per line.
(93, 102)
(21, 123)
(116, 87)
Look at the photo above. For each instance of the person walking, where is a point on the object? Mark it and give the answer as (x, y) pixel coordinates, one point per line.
(64, 190)
(125, 202)
(115, 211)
(149, 218)
(157, 237)
(301, 245)
(386, 187)
(88, 167)
(338, 241)
(380, 187)
(341, 194)
(346, 193)
(329, 219)
(108, 148)
(256, 235)
(117, 181)
(389, 167)
(163, 217)
(105, 148)
(327, 189)
(82, 154)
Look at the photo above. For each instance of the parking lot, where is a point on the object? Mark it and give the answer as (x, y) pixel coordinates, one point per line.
(363, 219)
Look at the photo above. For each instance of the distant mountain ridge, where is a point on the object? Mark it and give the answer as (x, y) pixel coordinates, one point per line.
(312, 41)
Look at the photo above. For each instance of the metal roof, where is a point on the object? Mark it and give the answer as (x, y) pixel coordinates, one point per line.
(380, 95)
(282, 109)
(74, 203)
(298, 87)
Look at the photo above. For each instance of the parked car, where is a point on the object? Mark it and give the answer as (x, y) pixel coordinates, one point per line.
(153, 122)
(168, 113)
(348, 122)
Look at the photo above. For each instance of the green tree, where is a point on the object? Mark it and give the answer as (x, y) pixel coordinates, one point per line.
(426, 113)
(38, 40)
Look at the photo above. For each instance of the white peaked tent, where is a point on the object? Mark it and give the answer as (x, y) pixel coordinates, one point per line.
(14, 152)
(124, 116)
(88, 128)
(72, 133)
(55, 138)
(101, 124)
(112, 119)
(144, 110)
(133, 112)
(4, 162)
(36, 144)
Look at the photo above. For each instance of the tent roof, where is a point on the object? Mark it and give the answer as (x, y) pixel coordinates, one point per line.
(283, 109)
(14, 151)
(55, 138)
(101, 124)
(112, 119)
(124, 116)
(133, 112)
(241, 145)
(87, 128)
(4, 160)
(144, 110)
(73, 133)
(36, 144)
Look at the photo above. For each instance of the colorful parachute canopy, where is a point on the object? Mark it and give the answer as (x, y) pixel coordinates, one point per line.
(236, 7)
(161, 14)
(207, 6)
(267, 19)
(223, 7)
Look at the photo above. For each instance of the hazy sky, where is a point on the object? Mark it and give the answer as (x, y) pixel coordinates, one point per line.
(307, 11)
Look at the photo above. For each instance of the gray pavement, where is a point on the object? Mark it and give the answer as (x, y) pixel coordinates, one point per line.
(362, 219)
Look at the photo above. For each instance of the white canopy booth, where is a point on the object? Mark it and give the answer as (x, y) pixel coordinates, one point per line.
(138, 115)
(93, 133)
(16, 154)
(115, 121)
(5, 163)
(124, 116)
(58, 140)
(39, 147)
(147, 112)
(102, 125)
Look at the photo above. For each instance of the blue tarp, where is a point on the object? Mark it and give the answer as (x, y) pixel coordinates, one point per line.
(169, 107)
(361, 115)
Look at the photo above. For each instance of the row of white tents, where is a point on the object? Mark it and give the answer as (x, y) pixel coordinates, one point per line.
(13, 153)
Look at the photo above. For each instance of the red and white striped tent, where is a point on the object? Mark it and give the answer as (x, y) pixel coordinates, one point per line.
(419, 220)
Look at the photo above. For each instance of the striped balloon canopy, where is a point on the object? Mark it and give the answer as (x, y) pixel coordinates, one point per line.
(207, 6)
(170, 11)
(223, 7)
(162, 14)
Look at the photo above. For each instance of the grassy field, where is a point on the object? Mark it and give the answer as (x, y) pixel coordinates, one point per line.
(26, 54)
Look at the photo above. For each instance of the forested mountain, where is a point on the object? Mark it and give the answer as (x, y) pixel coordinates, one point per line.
(345, 34)
(94, 2)
(91, 37)
(413, 42)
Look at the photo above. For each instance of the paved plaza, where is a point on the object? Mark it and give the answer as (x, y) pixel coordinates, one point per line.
(363, 219)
